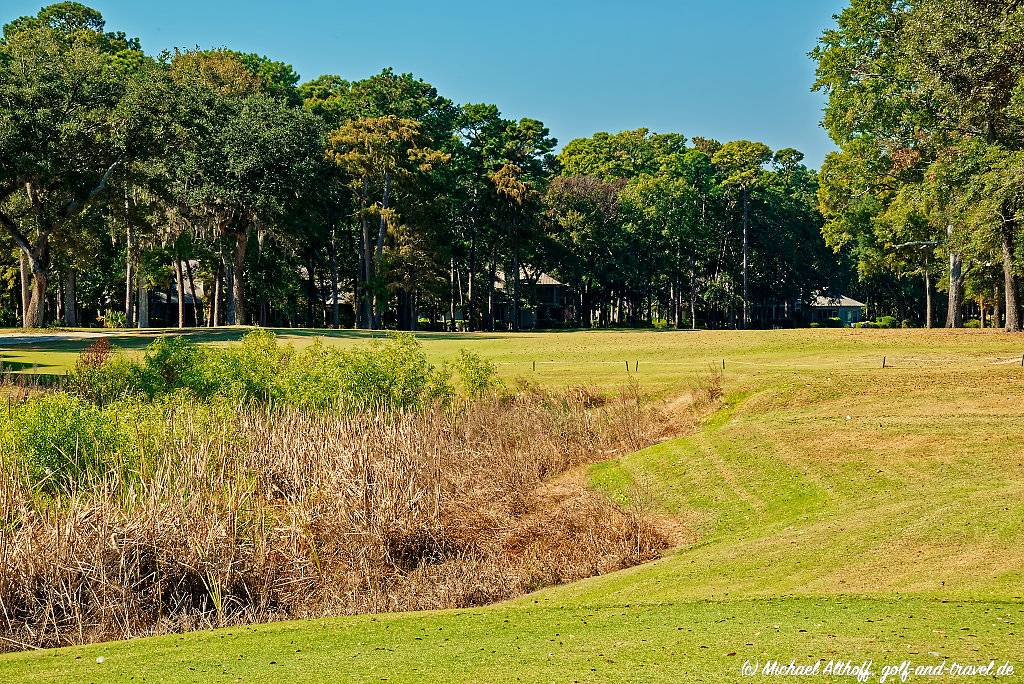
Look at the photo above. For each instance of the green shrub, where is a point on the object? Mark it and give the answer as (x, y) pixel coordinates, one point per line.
(113, 319)
(477, 375)
(247, 371)
(385, 375)
(313, 379)
(388, 375)
(115, 379)
(885, 322)
(61, 439)
(174, 363)
(973, 323)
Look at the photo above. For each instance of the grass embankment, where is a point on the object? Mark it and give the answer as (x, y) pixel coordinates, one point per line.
(835, 509)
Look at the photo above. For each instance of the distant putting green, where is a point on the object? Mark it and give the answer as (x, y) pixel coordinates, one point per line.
(835, 509)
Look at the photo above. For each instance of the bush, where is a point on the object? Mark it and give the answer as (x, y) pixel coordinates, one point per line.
(61, 440)
(388, 375)
(478, 375)
(174, 363)
(885, 322)
(101, 376)
(113, 319)
(973, 323)
(247, 371)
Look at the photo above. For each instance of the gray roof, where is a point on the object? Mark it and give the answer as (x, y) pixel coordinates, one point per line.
(825, 302)
(524, 274)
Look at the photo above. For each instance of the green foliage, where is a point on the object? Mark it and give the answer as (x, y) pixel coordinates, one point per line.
(172, 363)
(113, 319)
(389, 375)
(63, 440)
(921, 102)
(972, 323)
(476, 374)
(886, 322)
(384, 375)
(116, 378)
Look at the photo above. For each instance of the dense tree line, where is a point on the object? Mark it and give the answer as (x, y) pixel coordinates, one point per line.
(926, 102)
(214, 186)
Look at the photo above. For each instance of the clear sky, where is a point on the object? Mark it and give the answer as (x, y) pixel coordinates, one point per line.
(724, 69)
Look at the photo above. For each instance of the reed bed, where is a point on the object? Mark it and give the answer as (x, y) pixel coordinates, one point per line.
(258, 514)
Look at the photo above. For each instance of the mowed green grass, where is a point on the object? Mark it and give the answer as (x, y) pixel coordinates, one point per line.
(833, 509)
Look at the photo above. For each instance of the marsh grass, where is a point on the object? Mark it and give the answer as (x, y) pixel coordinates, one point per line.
(225, 515)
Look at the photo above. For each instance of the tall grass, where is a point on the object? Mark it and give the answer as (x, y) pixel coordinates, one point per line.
(190, 512)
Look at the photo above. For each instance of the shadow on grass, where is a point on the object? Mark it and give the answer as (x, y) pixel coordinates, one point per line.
(20, 366)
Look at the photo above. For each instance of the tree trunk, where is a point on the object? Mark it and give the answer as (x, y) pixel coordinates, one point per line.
(997, 311)
(451, 295)
(70, 295)
(379, 303)
(215, 302)
(365, 305)
(954, 312)
(239, 315)
(469, 312)
(36, 314)
(26, 287)
(1010, 279)
(955, 315)
(515, 280)
(311, 295)
(180, 280)
(929, 314)
(196, 306)
(746, 245)
(414, 317)
(335, 304)
(39, 263)
(143, 303)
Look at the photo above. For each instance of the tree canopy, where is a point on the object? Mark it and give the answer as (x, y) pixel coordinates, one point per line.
(215, 186)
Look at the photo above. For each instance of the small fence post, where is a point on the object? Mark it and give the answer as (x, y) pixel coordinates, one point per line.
(627, 366)
(638, 366)
(534, 366)
(883, 362)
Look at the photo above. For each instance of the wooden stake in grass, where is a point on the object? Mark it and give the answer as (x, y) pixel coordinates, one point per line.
(883, 362)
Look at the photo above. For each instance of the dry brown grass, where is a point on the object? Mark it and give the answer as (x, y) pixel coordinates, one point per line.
(315, 515)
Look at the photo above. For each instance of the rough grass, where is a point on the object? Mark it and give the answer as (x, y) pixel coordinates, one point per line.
(834, 509)
(230, 519)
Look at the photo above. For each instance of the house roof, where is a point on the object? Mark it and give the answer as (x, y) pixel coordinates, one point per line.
(824, 302)
(524, 275)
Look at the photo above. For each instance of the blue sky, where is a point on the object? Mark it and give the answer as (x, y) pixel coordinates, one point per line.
(727, 69)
